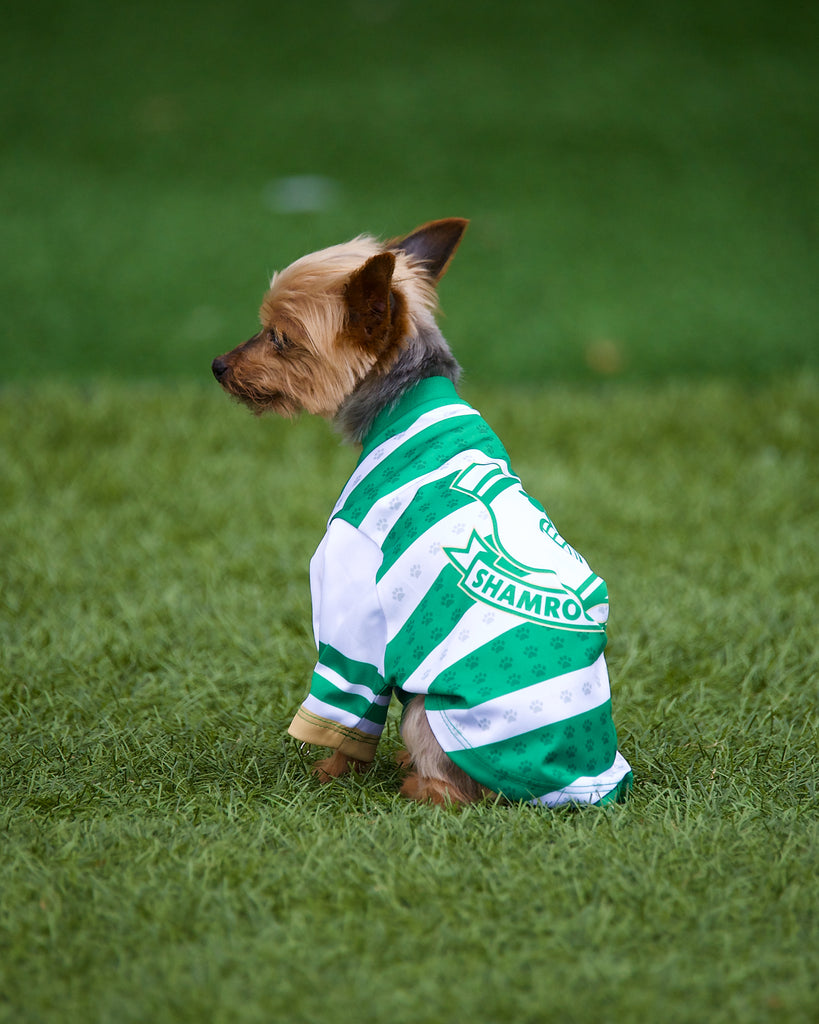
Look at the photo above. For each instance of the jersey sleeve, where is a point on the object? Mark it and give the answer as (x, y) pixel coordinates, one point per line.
(347, 705)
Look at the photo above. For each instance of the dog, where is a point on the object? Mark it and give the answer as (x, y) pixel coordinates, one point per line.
(439, 580)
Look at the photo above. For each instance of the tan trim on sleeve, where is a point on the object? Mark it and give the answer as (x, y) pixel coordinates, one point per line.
(323, 732)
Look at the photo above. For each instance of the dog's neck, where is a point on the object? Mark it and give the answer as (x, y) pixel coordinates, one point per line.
(424, 354)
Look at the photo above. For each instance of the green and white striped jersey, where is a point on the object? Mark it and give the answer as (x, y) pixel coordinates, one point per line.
(439, 575)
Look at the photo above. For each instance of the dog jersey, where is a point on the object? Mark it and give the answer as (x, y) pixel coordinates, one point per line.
(439, 575)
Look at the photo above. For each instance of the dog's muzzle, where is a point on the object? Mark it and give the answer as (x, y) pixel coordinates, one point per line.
(219, 367)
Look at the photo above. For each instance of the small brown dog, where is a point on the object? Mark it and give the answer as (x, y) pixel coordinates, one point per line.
(439, 579)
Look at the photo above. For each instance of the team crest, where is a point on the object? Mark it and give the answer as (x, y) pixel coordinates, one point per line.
(494, 568)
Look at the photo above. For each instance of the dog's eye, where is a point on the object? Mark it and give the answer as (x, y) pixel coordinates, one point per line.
(278, 339)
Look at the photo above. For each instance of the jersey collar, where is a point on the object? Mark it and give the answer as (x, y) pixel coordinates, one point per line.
(426, 394)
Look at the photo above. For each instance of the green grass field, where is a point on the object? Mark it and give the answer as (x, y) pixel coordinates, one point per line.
(166, 855)
(635, 304)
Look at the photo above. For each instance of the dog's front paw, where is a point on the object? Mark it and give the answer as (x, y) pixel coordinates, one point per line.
(335, 765)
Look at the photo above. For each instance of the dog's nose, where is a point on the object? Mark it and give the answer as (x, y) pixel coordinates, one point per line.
(219, 367)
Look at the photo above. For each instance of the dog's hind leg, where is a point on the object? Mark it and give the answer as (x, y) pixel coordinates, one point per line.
(434, 776)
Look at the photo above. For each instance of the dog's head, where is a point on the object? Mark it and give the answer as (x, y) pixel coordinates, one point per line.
(334, 316)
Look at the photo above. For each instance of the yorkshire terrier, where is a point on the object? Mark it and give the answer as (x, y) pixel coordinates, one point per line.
(439, 579)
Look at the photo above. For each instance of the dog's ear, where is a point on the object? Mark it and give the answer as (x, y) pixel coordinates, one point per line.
(434, 244)
(369, 304)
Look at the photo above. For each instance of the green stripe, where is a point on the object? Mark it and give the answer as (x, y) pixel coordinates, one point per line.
(440, 610)
(421, 454)
(356, 672)
(546, 759)
(527, 654)
(432, 503)
(360, 672)
(489, 495)
(599, 595)
(352, 703)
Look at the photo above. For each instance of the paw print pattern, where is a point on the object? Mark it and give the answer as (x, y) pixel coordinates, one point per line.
(536, 707)
(398, 594)
(483, 723)
(415, 571)
(566, 696)
(489, 618)
(435, 548)
(395, 504)
(464, 635)
(458, 529)
(506, 664)
(510, 715)
(381, 525)
(530, 651)
(587, 688)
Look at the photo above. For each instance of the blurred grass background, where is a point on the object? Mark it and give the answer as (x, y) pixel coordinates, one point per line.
(641, 177)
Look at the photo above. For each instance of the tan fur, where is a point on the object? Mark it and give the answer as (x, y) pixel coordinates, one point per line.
(435, 776)
(336, 765)
(306, 303)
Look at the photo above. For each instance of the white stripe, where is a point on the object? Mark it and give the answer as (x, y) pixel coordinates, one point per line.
(588, 789)
(521, 711)
(346, 612)
(391, 506)
(340, 717)
(392, 444)
(340, 683)
(414, 573)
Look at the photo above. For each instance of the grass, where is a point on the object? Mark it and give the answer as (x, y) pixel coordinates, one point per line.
(166, 854)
